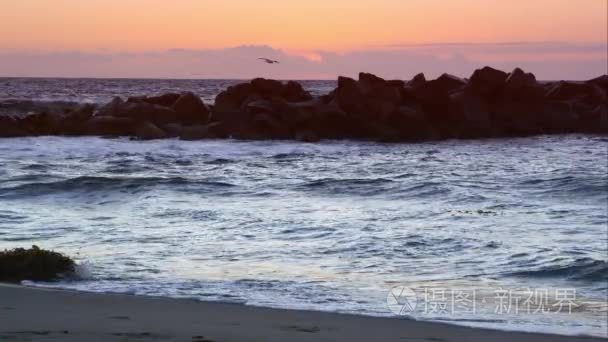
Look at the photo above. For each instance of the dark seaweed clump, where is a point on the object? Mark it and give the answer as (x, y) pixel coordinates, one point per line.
(34, 264)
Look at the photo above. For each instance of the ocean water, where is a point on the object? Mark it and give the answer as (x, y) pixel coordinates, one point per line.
(502, 233)
(103, 90)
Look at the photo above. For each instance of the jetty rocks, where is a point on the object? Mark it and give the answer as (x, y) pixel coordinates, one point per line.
(491, 103)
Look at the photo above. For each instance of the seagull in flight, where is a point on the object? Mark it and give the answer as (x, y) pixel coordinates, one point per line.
(269, 61)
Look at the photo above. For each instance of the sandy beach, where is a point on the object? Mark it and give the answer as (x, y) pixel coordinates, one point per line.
(34, 314)
(304, 170)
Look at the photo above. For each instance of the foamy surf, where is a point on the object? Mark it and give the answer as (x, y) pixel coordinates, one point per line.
(332, 226)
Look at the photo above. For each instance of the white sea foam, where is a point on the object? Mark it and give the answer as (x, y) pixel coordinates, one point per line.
(329, 226)
(83, 270)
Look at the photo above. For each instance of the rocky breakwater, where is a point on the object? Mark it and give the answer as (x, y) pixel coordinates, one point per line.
(491, 103)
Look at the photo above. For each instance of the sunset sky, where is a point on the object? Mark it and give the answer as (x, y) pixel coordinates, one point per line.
(48, 36)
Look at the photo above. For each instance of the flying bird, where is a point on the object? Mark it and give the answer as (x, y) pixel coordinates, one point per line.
(269, 61)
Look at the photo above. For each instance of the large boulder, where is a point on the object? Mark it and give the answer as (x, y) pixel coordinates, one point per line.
(382, 101)
(44, 123)
(596, 120)
(325, 120)
(195, 132)
(368, 82)
(190, 109)
(349, 96)
(411, 123)
(266, 126)
(234, 122)
(601, 82)
(434, 96)
(470, 114)
(267, 88)
(111, 108)
(277, 108)
(382, 97)
(251, 124)
(439, 88)
(522, 85)
(566, 90)
(487, 81)
(256, 106)
(559, 117)
(382, 132)
(148, 131)
(70, 122)
(396, 83)
(237, 97)
(519, 79)
(417, 80)
(410, 92)
(447, 83)
(296, 114)
(109, 126)
(137, 111)
(294, 92)
(214, 130)
(516, 118)
(272, 89)
(232, 98)
(173, 130)
(165, 100)
(590, 93)
(598, 95)
(74, 122)
(369, 100)
(10, 128)
(17, 108)
(34, 264)
(386, 93)
(148, 112)
(307, 136)
(251, 98)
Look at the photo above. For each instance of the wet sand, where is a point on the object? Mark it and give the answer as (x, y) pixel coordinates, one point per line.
(34, 314)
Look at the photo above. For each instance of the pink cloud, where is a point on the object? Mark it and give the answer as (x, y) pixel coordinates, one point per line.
(548, 60)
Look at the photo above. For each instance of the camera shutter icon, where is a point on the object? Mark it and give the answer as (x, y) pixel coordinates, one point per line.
(401, 300)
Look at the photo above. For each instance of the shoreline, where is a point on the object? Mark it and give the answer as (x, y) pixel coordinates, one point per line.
(30, 313)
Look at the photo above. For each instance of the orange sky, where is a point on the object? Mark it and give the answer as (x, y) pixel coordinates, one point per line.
(293, 25)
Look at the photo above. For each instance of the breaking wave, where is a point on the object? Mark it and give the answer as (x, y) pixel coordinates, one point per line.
(587, 269)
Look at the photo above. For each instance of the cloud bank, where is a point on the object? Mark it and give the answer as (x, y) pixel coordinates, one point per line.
(548, 60)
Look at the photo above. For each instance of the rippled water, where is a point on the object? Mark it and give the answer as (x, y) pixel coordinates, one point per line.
(330, 226)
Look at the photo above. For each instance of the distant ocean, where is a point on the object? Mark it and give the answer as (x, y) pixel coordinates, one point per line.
(103, 90)
(504, 233)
